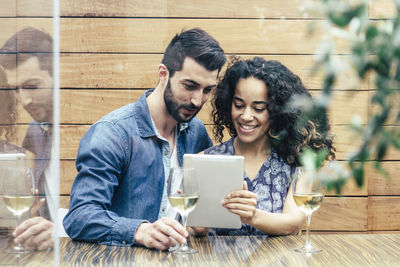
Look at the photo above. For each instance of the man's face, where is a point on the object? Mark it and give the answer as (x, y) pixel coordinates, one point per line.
(34, 89)
(188, 90)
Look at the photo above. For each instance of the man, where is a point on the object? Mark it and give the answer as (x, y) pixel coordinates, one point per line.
(119, 195)
(27, 60)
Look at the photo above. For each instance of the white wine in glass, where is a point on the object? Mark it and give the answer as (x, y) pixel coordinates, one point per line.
(308, 192)
(17, 190)
(183, 195)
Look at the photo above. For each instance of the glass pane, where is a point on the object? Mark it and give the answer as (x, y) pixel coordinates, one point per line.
(27, 127)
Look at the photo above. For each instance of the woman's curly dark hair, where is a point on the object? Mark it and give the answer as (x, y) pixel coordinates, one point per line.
(8, 112)
(291, 127)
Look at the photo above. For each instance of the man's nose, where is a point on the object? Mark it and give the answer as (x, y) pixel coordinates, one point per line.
(197, 98)
(24, 97)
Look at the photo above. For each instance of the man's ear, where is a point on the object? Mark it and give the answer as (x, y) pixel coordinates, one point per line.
(163, 73)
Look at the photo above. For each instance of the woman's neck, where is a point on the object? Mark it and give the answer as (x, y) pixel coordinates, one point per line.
(254, 149)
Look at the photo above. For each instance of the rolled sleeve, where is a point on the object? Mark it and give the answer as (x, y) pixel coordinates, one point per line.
(121, 235)
(100, 161)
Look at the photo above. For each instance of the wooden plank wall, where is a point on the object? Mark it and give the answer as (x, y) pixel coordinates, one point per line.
(109, 55)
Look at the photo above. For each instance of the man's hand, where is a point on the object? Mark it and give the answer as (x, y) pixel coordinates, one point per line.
(37, 204)
(242, 203)
(158, 234)
(35, 234)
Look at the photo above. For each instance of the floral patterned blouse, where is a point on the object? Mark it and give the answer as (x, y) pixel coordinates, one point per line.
(270, 184)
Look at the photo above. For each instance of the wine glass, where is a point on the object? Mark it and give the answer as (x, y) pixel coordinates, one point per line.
(308, 192)
(183, 195)
(17, 190)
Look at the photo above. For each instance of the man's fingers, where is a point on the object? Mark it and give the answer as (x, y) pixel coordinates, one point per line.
(42, 240)
(32, 227)
(161, 234)
(24, 225)
(36, 207)
(176, 226)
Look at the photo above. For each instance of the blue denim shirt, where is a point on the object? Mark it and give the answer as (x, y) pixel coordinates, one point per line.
(120, 178)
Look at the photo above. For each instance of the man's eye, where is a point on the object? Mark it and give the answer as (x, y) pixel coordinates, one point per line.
(207, 91)
(189, 87)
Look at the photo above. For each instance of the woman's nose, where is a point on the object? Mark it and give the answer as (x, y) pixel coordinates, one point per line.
(247, 115)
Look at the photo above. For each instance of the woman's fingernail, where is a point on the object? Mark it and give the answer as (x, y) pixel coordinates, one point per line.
(16, 240)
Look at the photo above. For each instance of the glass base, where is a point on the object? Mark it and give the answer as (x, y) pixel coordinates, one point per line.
(183, 250)
(17, 249)
(308, 249)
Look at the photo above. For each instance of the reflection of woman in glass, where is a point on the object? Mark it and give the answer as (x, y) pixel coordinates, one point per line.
(259, 103)
(8, 116)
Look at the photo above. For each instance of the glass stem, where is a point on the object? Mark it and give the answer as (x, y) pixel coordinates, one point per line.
(184, 222)
(308, 242)
(18, 218)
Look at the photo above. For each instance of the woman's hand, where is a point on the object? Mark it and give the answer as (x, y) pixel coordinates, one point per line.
(242, 203)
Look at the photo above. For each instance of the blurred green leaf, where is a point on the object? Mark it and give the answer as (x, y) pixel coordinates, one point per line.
(343, 18)
(358, 174)
(371, 32)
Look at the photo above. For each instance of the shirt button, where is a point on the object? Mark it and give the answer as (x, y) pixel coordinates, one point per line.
(166, 153)
(163, 209)
(123, 242)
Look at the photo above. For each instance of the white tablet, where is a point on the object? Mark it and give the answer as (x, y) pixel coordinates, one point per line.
(219, 175)
(13, 160)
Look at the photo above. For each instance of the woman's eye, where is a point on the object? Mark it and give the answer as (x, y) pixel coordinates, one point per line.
(259, 109)
(238, 106)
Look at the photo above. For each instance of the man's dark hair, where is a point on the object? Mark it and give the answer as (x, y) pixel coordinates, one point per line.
(196, 44)
(26, 43)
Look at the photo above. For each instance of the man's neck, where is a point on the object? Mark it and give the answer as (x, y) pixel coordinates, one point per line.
(163, 121)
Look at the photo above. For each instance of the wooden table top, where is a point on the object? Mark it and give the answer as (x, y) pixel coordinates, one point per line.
(338, 250)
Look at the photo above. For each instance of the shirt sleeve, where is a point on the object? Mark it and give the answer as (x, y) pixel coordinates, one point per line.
(100, 161)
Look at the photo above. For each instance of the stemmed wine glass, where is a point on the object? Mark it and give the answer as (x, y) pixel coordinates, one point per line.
(183, 195)
(17, 190)
(308, 192)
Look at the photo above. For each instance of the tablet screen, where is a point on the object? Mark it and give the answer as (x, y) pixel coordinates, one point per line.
(219, 175)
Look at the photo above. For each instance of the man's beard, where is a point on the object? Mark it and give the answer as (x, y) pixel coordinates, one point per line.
(173, 107)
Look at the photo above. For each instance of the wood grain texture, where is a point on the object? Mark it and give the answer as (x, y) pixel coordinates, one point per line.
(140, 71)
(341, 214)
(138, 35)
(97, 103)
(175, 8)
(8, 8)
(383, 213)
(382, 9)
(191, 8)
(360, 250)
(379, 184)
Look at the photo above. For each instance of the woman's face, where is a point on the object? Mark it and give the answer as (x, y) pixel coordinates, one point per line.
(249, 111)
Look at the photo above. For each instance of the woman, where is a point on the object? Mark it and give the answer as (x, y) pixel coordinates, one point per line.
(8, 116)
(259, 103)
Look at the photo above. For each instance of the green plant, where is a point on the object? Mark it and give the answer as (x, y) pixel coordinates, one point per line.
(375, 50)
